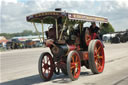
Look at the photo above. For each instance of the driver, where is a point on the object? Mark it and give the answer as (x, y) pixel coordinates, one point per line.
(95, 32)
(94, 28)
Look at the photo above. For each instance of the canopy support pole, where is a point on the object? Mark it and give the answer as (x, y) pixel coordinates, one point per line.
(80, 28)
(56, 29)
(63, 29)
(42, 30)
(37, 31)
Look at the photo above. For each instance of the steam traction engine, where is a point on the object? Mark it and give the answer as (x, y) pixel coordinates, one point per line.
(71, 44)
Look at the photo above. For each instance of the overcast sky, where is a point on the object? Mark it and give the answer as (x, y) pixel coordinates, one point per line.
(14, 12)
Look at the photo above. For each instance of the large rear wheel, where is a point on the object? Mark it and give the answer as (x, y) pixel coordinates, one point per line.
(96, 56)
(73, 65)
(46, 66)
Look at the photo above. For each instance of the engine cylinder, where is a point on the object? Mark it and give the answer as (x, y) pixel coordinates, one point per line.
(62, 50)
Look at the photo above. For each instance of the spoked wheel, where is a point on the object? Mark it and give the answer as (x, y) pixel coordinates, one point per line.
(46, 66)
(73, 65)
(96, 56)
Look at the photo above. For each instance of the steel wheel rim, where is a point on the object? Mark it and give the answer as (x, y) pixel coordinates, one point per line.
(75, 66)
(99, 56)
(47, 66)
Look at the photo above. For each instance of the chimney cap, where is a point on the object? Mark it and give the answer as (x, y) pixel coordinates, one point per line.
(57, 9)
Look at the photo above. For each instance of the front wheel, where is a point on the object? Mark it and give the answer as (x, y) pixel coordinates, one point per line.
(73, 65)
(96, 56)
(46, 66)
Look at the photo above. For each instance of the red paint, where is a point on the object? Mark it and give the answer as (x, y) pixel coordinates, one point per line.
(99, 56)
(75, 64)
(94, 35)
(85, 55)
(87, 39)
(73, 47)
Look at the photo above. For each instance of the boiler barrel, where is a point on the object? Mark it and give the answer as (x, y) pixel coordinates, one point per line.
(62, 50)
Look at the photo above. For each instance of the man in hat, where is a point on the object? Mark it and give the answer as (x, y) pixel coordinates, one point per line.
(94, 28)
(95, 32)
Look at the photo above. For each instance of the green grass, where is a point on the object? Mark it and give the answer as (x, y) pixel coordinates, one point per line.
(2, 49)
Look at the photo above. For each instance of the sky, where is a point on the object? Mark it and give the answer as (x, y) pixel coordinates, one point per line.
(13, 12)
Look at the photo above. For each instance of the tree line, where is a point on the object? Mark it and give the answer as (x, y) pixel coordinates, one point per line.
(23, 33)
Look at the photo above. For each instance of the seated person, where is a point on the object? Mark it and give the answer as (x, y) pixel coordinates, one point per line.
(95, 32)
(94, 28)
(51, 33)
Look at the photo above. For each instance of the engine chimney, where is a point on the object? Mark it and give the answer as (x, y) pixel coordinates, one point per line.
(58, 9)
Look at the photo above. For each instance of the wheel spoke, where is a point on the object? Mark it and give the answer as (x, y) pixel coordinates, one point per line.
(44, 71)
(100, 57)
(72, 59)
(42, 66)
(49, 70)
(98, 49)
(96, 62)
(95, 52)
(100, 62)
(76, 60)
(43, 61)
(99, 67)
(47, 60)
(95, 56)
(72, 65)
(75, 73)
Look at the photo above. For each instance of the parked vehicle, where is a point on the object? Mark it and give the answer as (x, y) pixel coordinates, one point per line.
(29, 43)
(120, 37)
